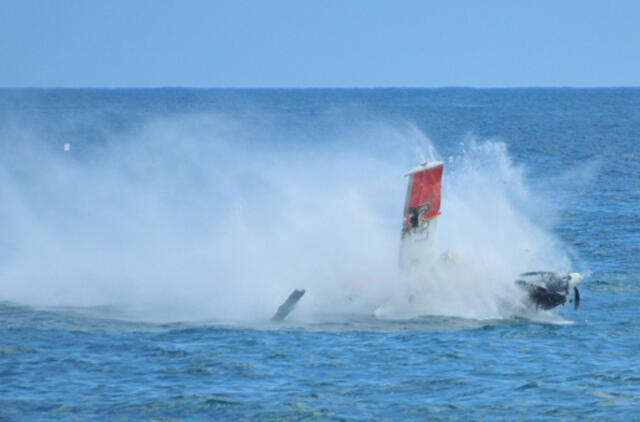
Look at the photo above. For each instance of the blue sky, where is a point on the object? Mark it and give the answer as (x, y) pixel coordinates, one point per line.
(328, 43)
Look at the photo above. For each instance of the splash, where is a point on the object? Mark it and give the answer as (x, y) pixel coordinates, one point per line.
(487, 236)
(201, 217)
(211, 217)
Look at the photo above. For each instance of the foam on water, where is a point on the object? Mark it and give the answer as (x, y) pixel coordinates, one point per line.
(210, 217)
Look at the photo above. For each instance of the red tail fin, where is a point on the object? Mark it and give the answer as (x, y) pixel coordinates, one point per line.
(423, 194)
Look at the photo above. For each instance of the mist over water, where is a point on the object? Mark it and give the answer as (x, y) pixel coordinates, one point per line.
(209, 216)
(487, 236)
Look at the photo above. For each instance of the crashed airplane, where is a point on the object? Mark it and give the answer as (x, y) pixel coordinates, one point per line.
(543, 289)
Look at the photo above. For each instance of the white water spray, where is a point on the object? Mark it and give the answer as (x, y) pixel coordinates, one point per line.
(486, 238)
(208, 218)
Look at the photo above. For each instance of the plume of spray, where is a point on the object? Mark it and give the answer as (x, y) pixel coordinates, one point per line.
(487, 236)
(204, 217)
(210, 217)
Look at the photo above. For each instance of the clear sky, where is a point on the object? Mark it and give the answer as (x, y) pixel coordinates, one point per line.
(324, 43)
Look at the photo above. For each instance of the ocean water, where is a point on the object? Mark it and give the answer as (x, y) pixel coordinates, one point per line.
(139, 268)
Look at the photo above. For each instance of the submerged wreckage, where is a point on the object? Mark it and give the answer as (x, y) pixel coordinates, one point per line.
(543, 289)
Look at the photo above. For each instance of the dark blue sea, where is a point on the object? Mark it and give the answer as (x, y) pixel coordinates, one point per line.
(147, 236)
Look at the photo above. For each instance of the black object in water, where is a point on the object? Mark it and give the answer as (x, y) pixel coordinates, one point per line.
(548, 290)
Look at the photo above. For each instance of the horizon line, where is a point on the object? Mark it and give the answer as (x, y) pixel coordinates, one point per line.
(320, 87)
